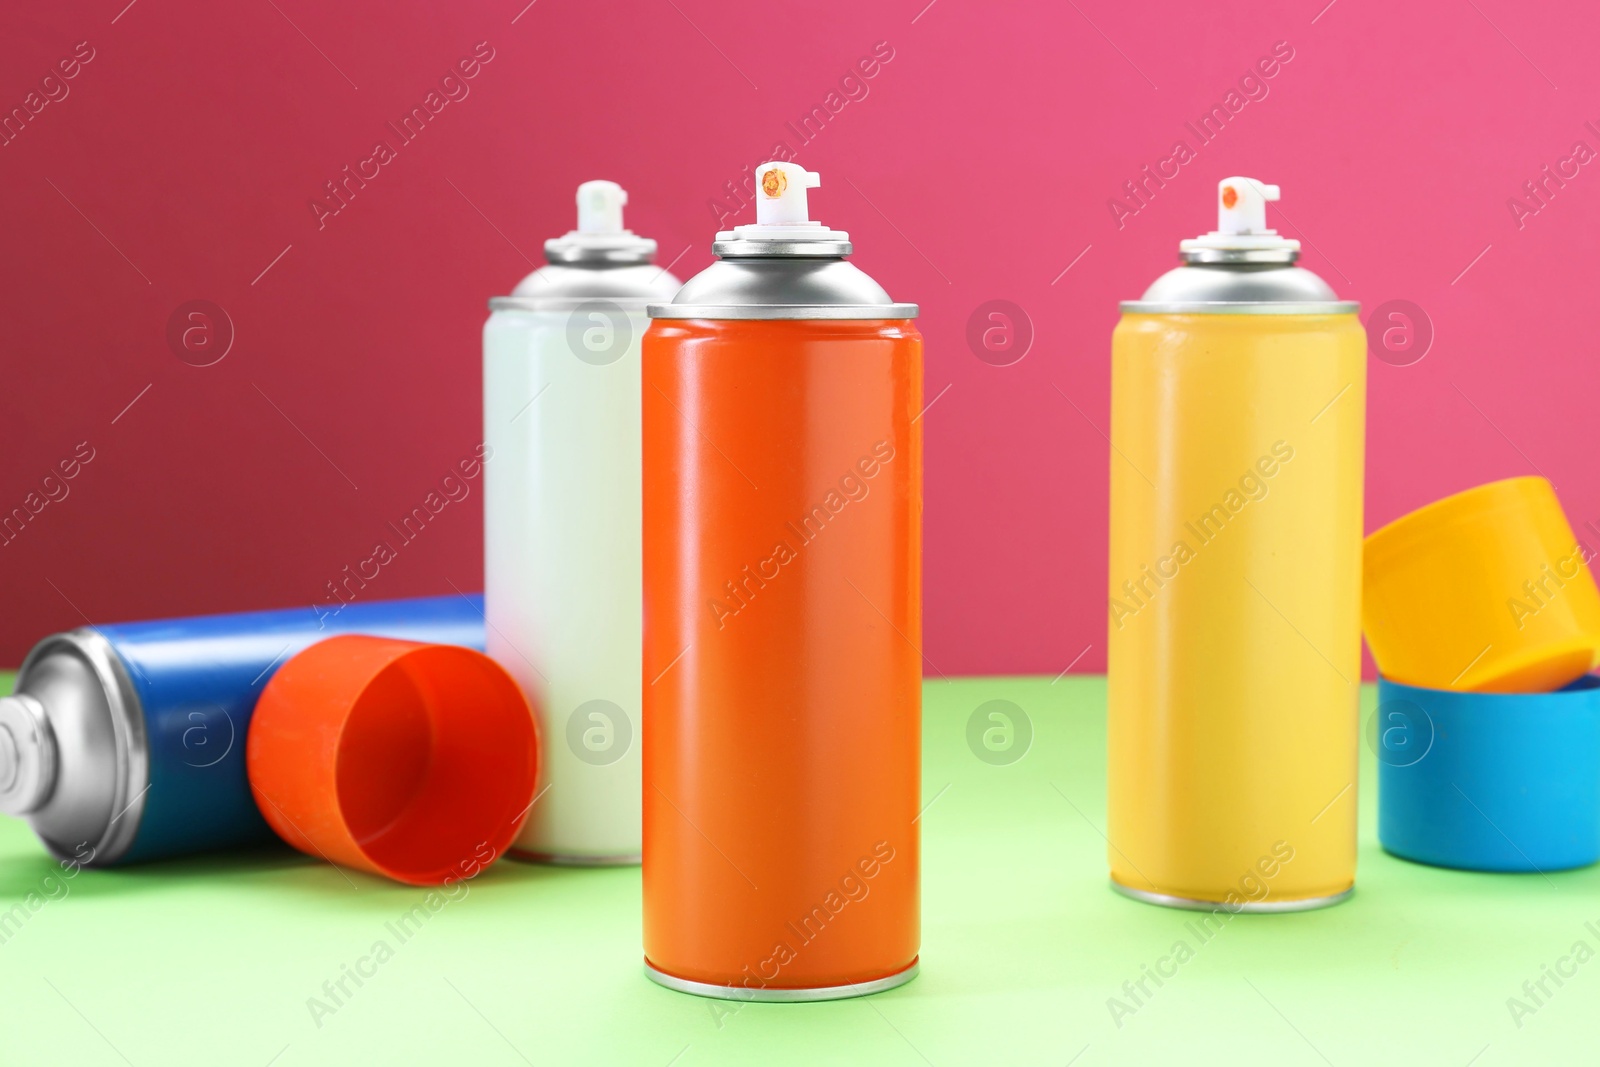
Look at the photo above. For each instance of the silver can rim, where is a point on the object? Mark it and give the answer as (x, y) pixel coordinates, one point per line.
(1256, 907)
(1218, 307)
(783, 311)
(127, 728)
(782, 996)
(750, 248)
(644, 252)
(1202, 254)
(566, 303)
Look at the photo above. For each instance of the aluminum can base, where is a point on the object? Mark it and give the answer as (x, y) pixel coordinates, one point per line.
(1264, 907)
(782, 996)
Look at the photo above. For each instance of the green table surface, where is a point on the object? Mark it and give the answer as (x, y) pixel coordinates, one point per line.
(213, 960)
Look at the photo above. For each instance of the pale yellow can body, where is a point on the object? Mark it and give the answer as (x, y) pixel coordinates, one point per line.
(1234, 654)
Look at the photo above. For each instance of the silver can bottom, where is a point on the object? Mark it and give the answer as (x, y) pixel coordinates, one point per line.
(562, 859)
(782, 996)
(1262, 907)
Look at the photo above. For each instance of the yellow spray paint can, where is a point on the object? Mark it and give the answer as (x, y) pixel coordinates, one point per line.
(1234, 656)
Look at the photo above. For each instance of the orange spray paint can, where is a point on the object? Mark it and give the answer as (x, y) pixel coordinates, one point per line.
(782, 619)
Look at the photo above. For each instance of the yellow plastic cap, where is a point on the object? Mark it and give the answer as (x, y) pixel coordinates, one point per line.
(1488, 591)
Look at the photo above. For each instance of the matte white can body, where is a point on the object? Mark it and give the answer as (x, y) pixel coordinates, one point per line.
(562, 565)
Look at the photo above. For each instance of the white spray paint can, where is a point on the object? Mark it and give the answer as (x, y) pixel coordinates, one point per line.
(562, 523)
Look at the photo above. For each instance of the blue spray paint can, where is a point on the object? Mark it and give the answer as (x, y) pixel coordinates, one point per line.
(126, 743)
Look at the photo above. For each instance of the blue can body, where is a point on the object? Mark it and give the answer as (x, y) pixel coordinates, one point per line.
(196, 681)
(1490, 781)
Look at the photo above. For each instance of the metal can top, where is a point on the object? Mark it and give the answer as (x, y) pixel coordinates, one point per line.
(1240, 288)
(1241, 267)
(78, 748)
(782, 287)
(783, 266)
(600, 260)
(564, 287)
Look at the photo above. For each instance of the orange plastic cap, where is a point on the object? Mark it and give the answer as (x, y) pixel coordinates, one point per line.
(413, 761)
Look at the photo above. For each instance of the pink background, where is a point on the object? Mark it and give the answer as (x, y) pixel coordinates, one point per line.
(977, 167)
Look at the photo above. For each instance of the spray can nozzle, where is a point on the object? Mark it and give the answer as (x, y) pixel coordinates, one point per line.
(783, 223)
(1242, 233)
(600, 206)
(1242, 205)
(600, 236)
(781, 194)
(27, 754)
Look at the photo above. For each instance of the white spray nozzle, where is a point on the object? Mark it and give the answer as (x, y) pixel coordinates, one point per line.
(1242, 205)
(782, 217)
(781, 194)
(1242, 227)
(600, 207)
(600, 236)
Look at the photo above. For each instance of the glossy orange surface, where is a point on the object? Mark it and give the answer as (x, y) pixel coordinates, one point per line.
(783, 606)
(407, 760)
